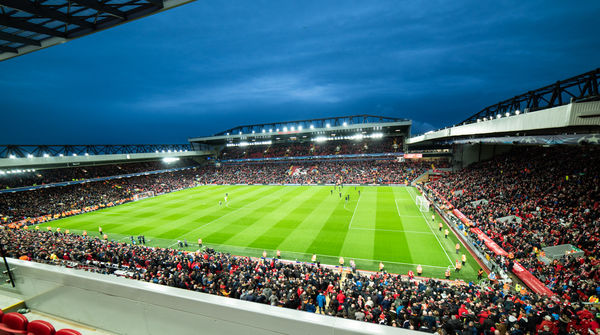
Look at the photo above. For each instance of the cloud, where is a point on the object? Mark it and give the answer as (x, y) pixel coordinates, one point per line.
(268, 89)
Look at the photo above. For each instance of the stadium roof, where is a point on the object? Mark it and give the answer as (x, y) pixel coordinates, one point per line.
(291, 129)
(31, 25)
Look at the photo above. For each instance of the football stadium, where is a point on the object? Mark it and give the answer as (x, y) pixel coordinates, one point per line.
(292, 221)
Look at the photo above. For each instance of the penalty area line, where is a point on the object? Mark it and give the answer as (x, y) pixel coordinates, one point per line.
(436, 237)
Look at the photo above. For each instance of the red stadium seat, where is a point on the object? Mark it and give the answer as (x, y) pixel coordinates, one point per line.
(13, 323)
(40, 327)
(67, 331)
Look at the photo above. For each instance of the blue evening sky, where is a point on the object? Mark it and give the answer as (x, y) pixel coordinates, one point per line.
(211, 65)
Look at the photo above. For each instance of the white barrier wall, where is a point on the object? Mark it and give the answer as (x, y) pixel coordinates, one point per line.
(126, 306)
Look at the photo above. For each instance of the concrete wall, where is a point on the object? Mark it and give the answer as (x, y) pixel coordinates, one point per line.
(127, 306)
(467, 154)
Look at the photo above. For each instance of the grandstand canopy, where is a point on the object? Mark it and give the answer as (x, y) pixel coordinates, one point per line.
(343, 127)
(30, 25)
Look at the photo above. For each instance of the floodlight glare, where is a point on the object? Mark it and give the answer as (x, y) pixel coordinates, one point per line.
(328, 126)
(263, 131)
(29, 156)
(320, 139)
(12, 156)
(46, 155)
(498, 116)
(345, 124)
(517, 112)
(170, 159)
(312, 127)
(507, 114)
(284, 128)
(299, 127)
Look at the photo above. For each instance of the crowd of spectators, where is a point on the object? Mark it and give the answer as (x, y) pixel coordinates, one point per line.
(317, 172)
(16, 206)
(310, 148)
(31, 177)
(554, 192)
(426, 305)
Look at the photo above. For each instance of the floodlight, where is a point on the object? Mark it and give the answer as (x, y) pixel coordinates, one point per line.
(498, 116)
(507, 114)
(299, 127)
(29, 156)
(284, 128)
(170, 159)
(517, 112)
(253, 132)
(293, 128)
(263, 131)
(12, 156)
(74, 155)
(61, 155)
(320, 139)
(328, 126)
(46, 155)
(87, 154)
(312, 127)
(345, 124)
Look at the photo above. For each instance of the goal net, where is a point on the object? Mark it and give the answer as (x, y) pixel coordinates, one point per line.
(143, 195)
(422, 203)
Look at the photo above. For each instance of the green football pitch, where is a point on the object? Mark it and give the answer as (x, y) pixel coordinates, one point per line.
(381, 224)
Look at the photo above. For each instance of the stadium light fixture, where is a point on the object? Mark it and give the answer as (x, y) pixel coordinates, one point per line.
(478, 120)
(2, 172)
(321, 139)
(377, 135)
(169, 150)
(170, 159)
(299, 127)
(293, 128)
(263, 131)
(507, 114)
(243, 144)
(498, 116)
(345, 124)
(312, 126)
(46, 155)
(277, 130)
(156, 151)
(61, 155)
(227, 134)
(87, 154)
(517, 112)
(328, 126)
(284, 128)
(74, 155)
(253, 132)
(240, 133)
(12, 156)
(270, 130)
(29, 156)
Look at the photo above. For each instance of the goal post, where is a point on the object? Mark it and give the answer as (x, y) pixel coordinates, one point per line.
(422, 203)
(143, 195)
